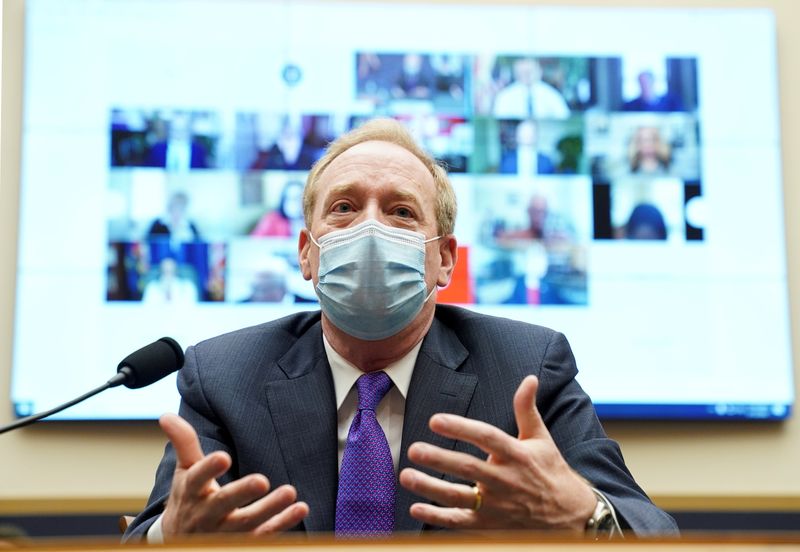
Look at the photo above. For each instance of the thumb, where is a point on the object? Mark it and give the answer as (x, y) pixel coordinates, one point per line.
(529, 421)
(183, 438)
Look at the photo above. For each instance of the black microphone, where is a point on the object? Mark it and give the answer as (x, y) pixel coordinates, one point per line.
(139, 369)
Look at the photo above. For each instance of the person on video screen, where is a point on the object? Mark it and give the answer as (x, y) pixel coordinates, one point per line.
(384, 412)
(448, 75)
(648, 152)
(528, 96)
(269, 282)
(290, 150)
(538, 212)
(415, 80)
(175, 225)
(649, 99)
(524, 157)
(179, 150)
(169, 286)
(287, 219)
(645, 223)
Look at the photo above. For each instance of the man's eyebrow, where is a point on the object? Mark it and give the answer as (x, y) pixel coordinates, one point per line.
(405, 196)
(348, 187)
(340, 189)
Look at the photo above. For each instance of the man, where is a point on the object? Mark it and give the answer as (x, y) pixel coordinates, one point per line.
(179, 150)
(169, 286)
(175, 226)
(522, 156)
(649, 99)
(529, 97)
(483, 425)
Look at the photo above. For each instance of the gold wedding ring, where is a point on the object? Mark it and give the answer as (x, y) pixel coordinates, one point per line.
(478, 498)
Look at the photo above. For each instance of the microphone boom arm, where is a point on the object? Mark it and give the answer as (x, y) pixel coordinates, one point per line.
(118, 379)
(139, 369)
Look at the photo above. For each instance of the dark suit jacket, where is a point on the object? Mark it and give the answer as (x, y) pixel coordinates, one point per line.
(265, 395)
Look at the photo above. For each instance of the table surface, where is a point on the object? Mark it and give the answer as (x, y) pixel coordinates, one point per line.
(505, 542)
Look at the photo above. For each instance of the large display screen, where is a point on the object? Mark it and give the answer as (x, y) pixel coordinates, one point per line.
(617, 172)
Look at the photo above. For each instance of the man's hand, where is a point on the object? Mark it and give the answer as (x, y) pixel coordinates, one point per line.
(525, 483)
(198, 504)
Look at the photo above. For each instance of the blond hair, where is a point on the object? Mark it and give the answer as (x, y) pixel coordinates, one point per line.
(386, 130)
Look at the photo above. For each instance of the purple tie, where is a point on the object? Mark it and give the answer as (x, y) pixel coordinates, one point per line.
(365, 503)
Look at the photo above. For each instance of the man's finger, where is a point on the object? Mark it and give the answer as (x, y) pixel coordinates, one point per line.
(224, 503)
(283, 521)
(183, 438)
(442, 492)
(529, 421)
(450, 518)
(206, 470)
(251, 516)
(459, 464)
(486, 437)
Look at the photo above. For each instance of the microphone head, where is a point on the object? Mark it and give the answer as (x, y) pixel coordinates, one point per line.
(151, 363)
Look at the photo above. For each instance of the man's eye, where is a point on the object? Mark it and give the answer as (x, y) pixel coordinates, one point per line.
(403, 212)
(342, 208)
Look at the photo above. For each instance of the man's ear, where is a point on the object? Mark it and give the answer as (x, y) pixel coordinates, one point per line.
(448, 252)
(303, 248)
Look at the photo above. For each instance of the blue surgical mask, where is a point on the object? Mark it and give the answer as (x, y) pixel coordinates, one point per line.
(372, 279)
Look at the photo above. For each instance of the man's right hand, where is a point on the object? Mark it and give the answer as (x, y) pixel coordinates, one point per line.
(198, 504)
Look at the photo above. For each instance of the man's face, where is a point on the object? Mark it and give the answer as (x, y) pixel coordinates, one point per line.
(526, 134)
(537, 212)
(646, 82)
(380, 181)
(412, 63)
(526, 71)
(169, 269)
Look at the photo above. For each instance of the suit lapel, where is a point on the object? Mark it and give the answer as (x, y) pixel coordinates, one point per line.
(436, 386)
(303, 411)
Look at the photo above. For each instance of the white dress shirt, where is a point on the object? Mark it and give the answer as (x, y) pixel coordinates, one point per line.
(512, 102)
(390, 410)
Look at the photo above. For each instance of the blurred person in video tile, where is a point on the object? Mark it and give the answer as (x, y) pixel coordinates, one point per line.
(269, 283)
(415, 80)
(169, 286)
(648, 152)
(177, 149)
(286, 219)
(522, 156)
(290, 151)
(175, 225)
(528, 96)
(649, 99)
(645, 223)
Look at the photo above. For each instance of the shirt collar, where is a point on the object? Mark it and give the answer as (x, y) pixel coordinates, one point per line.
(345, 374)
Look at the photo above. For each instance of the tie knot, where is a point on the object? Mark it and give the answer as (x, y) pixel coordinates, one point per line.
(371, 389)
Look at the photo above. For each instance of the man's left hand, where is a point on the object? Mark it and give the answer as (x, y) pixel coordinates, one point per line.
(525, 483)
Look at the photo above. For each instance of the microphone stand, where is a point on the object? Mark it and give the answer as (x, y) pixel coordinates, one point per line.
(118, 379)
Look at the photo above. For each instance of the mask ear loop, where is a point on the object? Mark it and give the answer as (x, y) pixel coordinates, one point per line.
(434, 285)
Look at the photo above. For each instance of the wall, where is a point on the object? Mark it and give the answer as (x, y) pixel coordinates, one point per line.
(109, 468)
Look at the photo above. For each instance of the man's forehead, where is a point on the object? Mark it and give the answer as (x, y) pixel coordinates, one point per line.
(371, 149)
(377, 157)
